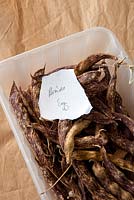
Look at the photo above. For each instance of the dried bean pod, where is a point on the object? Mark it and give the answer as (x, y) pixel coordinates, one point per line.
(37, 74)
(95, 88)
(100, 85)
(63, 127)
(98, 193)
(77, 127)
(24, 121)
(35, 97)
(16, 102)
(86, 155)
(120, 154)
(63, 163)
(82, 189)
(120, 139)
(107, 73)
(116, 174)
(119, 108)
(86, 64)
(60, 68)
(27, 95)
(74, 191)
(91, 76)
(100, 106)
(124, 164)
(126, 120)
(110, 186)
(130, 175)
(36, 145)
(59, 192)
(96, 156)
(46, 132)
(28, 106)
(35, 89)
(90, 141)
(105, 69)
(99, 118)
(94, 82)
(111, 90)
(123, 142)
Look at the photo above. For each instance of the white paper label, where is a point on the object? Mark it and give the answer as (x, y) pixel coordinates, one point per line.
(62, 96)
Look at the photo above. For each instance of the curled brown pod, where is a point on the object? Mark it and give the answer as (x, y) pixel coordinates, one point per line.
(116, 174)
(35, 89)
(63, 127)
(109, 185)
(123, 142)
(86, 64)
(129, 122)
(96, 156)
(77, 127)
(95, 82)
(111, 92)
(46, 132)
(88, 77)
(98, 193)
(27, 103)
(119, 107)
(100, 106)
(87, 142)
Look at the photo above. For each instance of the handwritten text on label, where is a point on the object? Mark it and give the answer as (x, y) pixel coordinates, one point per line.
(55, 90)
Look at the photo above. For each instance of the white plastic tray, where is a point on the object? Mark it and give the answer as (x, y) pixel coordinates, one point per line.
(69, 50)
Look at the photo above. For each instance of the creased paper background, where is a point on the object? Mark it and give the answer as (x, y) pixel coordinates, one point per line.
(26, 24)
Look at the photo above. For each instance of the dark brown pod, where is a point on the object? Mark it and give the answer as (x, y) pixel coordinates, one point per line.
(98, 193)
(86, 64)
(116, 174)
(109, 185)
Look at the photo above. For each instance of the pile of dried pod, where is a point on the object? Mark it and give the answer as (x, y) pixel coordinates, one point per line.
(89, 158)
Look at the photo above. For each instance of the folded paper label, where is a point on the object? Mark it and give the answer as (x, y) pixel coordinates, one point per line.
(62, 96)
